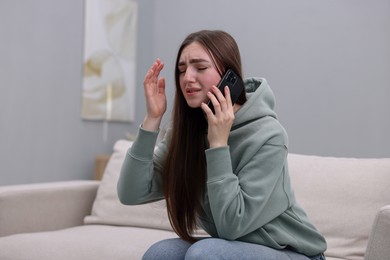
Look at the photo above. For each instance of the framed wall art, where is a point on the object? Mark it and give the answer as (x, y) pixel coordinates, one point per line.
(109, 62)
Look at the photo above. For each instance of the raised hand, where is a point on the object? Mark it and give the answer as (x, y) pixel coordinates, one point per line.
(156, 101)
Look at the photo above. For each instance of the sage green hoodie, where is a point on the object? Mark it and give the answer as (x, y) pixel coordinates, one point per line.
(249, 195)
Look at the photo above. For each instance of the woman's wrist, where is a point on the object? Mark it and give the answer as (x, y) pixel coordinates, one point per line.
(217, 144)
(151, 124)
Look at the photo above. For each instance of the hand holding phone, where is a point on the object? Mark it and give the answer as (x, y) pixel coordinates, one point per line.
(235, 84)
(219, 124)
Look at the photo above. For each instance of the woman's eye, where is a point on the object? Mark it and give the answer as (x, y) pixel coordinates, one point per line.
(202, 68)
(182, 71)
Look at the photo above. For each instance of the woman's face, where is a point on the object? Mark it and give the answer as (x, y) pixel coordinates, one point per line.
(197, 74)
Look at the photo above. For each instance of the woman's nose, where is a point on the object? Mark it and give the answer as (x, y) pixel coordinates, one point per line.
(189, 75)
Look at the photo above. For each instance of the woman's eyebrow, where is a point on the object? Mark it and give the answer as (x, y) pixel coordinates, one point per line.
(192, 61)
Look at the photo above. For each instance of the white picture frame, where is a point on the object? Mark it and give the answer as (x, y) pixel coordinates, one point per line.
(109, 61)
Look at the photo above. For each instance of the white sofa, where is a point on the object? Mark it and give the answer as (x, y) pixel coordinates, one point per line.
(347, 199)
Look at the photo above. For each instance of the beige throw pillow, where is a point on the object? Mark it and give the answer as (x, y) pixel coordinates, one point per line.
(107, 208)
(341, 197)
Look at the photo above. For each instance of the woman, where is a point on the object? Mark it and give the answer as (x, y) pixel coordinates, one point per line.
(223, 170)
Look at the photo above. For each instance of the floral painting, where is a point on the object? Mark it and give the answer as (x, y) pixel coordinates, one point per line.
(109, 60)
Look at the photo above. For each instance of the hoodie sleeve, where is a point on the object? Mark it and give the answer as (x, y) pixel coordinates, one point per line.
(244, 201)
(140, 177)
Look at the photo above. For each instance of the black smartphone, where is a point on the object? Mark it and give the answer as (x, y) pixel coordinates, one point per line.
(235, 84)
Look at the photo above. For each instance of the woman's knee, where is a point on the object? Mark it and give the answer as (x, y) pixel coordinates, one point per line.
(209, 248)
(174, 248)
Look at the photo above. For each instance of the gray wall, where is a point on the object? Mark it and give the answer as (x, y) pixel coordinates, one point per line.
(42, 135)
(328, 63)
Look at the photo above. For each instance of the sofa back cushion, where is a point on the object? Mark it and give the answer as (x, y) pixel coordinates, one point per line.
(108, 210)
(341, 197)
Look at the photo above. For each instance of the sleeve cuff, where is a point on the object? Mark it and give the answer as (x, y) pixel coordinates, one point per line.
(219, 163)
(144, 143)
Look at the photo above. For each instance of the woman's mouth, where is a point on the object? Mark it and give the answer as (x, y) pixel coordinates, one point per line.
(191, 91)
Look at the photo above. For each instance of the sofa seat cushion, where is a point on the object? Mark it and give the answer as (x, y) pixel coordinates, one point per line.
(342, 197)
(88, 242)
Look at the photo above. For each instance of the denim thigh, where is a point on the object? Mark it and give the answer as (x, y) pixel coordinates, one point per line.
(216, 248)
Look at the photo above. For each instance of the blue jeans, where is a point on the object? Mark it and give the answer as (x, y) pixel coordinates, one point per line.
(215, 248)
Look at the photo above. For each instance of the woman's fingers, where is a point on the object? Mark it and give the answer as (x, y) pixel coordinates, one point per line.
(156, 68)
(220, 102)
(161, 86)
(219, 122)
(228, 97)
(154, 87)
(152, 83)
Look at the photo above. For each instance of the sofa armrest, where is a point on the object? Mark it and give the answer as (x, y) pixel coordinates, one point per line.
(379, 240)
(45, 206)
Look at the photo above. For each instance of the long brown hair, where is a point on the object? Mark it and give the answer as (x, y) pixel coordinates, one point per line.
(184, 175)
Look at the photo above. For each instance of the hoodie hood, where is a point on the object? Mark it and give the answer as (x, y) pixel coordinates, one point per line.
(260, 101)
